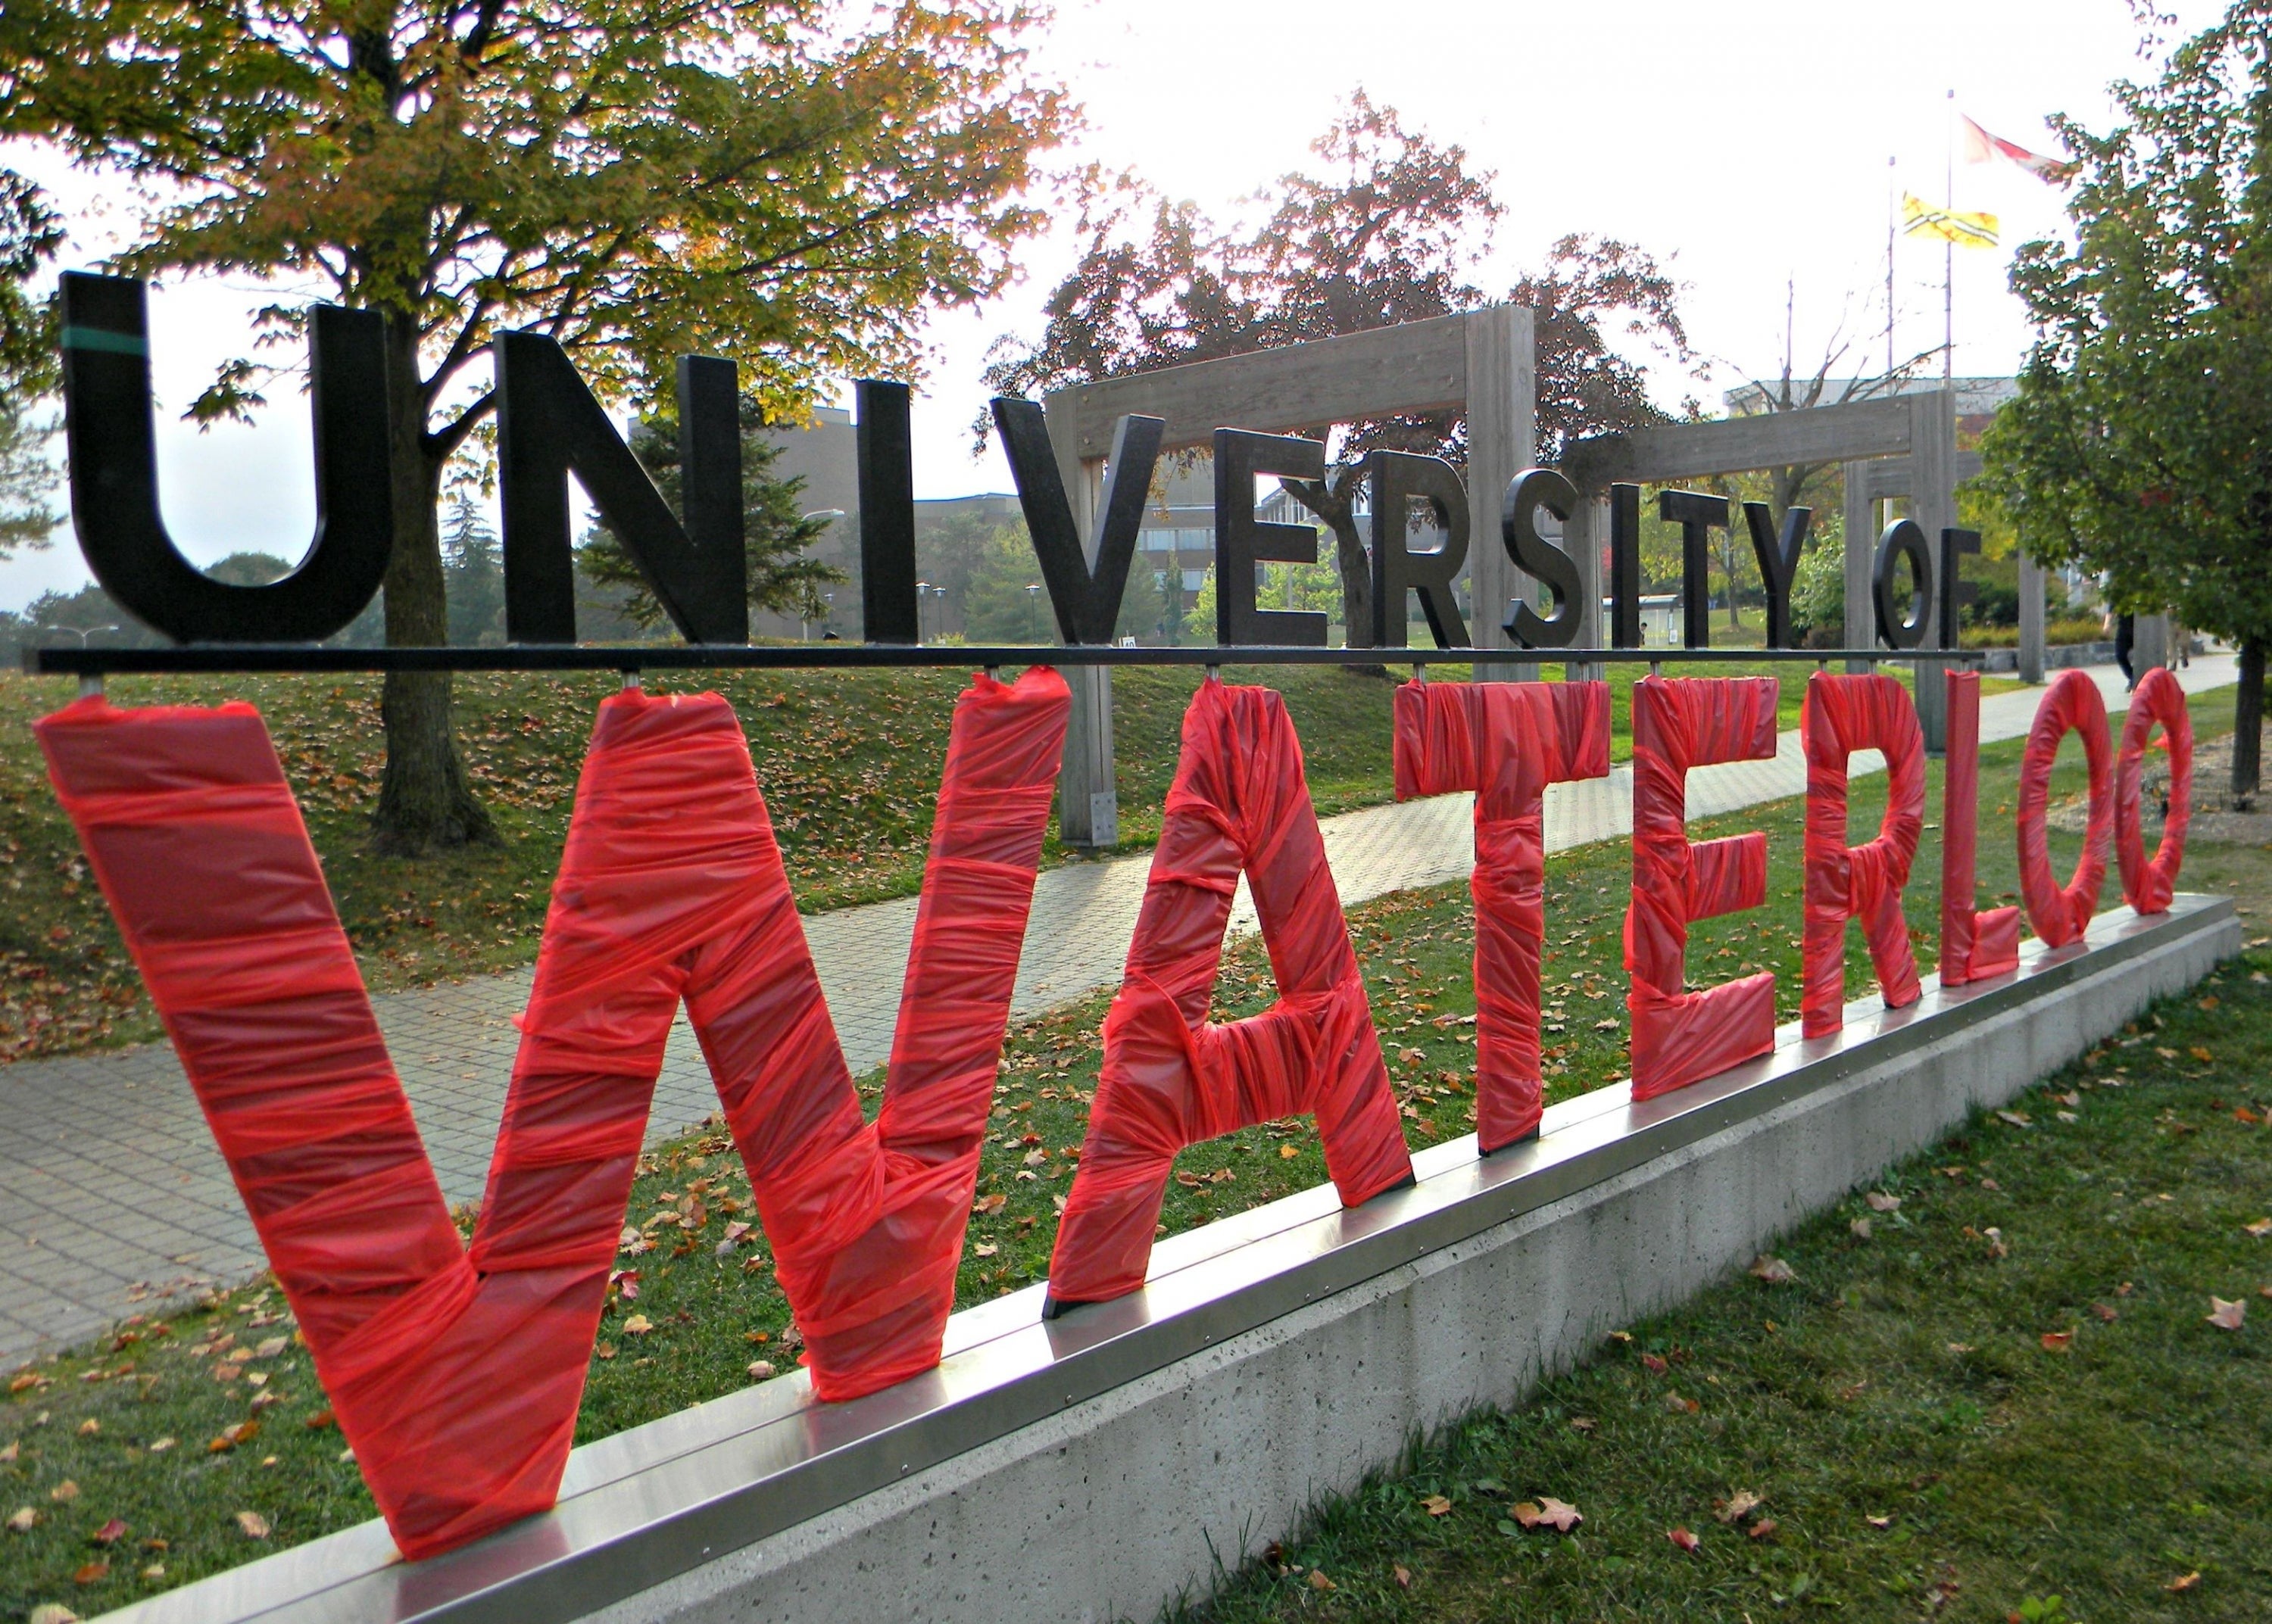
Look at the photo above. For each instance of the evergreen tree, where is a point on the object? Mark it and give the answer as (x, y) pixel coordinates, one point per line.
(473, 574)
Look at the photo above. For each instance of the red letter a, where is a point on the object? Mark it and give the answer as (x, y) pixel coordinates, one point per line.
(456, 1374)
(1239, 801)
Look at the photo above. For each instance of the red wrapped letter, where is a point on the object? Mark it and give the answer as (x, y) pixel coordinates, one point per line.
(1239, 801)
(1973, 946)
(2149, 886)
(456, 1376)
(2062, 916)
(1506, 741)
(1679, 1037)
(1843, 714)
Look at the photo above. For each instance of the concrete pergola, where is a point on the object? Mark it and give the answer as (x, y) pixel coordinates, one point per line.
(1477, 364)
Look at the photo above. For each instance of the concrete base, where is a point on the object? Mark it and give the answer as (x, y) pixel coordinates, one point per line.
(1110, 1509)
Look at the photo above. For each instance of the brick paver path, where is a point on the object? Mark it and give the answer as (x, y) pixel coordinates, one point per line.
(112, 1193)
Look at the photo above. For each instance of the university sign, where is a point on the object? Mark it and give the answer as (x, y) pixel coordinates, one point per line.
(456, 1372)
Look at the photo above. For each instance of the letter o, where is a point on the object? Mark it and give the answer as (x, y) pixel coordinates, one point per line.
(2149, 886)
(1902, 629)
(2061, 914)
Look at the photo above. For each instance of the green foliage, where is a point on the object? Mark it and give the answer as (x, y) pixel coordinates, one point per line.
(995, 605)
(29, 234)
(2141, 441)
(774, 532)
(474, 568)
(1817, 596)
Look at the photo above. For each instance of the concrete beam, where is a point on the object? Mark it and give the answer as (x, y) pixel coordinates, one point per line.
(1094, 1466)
(1737, 444)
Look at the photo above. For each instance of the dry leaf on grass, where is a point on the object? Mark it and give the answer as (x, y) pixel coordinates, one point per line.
(1681, 1538)
(110, 1532)
(2260, 1228)
(92, 1573)
(1318, 1580)
(252, 1524)
(2058, 1341)
(1861, 1228)
(2184, 1582)
(2104, 1313)
(2226, 1315)
(1881, 1201)
(23, 1520)
(1403, 1576)
(1437, 1506)
(1774, 1271)
(1557, 1515)
(1764, 1529)
(1737, 1506)
(2017, 1119)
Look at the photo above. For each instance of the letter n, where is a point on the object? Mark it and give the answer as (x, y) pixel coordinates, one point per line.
(1506, 741)
(1239, 803)
(456, 1372)
(1840, 715)
(1680, 1037)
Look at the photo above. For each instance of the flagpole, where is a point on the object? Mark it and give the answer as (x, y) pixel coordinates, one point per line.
(1948, 254)
(1889, 269)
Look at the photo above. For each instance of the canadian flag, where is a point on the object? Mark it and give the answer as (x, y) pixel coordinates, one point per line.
(1981, 147)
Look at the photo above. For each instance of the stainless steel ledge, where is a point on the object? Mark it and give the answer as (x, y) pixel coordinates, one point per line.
(648, 1504)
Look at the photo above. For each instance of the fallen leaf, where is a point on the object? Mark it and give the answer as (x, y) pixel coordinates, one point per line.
(1437, 1505)
(1679, 1405)
(2123, 1290)
(761, 1370)
(1654, 1365)
(92, 1573)
(2104, 1313)
(1861, 1228)
(161, 1446)
(1737, 1506)
(2226, 1315)
(1764, 1529)
(1582, 1423)
(987, 1249)
(271, 1348)
(2017, 1119)
(638, 1325)
(253, 1525)
(2200, 1054)
(1288, 1152)
(1403, 1576)
(1994, 1237)
(1557, 1515)
(1879, 1522)
(2058, 1341)
(1774, 1271)
(1879, 1202)
(53, 1613)
(989, 1203)
(1681, 1538)
(110, 1532)
(155, 1570)
(66, 1490)
(2260, 1228)
(2184, 1582)
(23, 1520)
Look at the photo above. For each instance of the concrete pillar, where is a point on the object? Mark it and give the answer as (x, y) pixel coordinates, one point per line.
(2150, 642)
(2032, 620)
(1933, 501)
(1502, 437)
(1861, 547)
(1088, 796)
(1583, 537)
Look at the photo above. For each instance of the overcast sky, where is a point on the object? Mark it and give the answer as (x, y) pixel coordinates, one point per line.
(1746, 144)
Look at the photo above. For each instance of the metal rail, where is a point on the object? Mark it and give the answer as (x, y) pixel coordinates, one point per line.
(206, 658)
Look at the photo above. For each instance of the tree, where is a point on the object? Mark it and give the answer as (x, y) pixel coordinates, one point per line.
(774, 531)
(29, 234)
(1390, 231)
(474, 568)
(2140, 443)
(995, 605)
(789, 182)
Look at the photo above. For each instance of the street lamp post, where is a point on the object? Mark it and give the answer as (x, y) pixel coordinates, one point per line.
(923, 591)
(81, 632)
(1033, 611)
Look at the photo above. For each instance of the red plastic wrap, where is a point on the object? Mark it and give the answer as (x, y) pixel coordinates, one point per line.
(1680, 1037)
(456, 1374)
(1974, 947)
(1239, 802)
(1507, 741)
(2060, 915)
(2149, 886)
(1840, 715)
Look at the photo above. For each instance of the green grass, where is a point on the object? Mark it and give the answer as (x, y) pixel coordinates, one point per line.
(712, 1315)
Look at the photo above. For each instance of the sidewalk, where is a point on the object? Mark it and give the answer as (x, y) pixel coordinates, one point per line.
(112, 1193)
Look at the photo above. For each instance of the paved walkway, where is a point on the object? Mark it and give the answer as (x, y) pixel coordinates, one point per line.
(112, 1193)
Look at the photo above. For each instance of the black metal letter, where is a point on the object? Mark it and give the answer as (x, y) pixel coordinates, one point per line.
(883, 443)
(1903, 627)
(1241, 541)
(1086, 599)
(114, 477)
(1778, 562)
(1396, 478)
(1528, 492)
(1696, 514)
(549, 426)
(1955, 590)
(1624, 566)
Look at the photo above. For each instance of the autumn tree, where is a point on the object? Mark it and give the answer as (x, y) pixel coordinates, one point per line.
(2140, 443)
(775, 533)
(786, 183)
(29, 234)
(1389, 226)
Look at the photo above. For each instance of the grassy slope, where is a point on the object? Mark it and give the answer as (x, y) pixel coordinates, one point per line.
(711, 1316)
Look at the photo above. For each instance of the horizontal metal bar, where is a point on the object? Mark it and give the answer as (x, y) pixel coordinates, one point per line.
(188, 659)
(645, 1505)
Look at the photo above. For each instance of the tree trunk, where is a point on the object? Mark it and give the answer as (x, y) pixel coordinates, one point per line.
(2248, 719)
(1336, 505)
(425, 802)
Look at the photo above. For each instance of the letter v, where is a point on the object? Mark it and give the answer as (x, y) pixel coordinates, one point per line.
(1239, 801)
(456, 1374)
(1087, 597)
